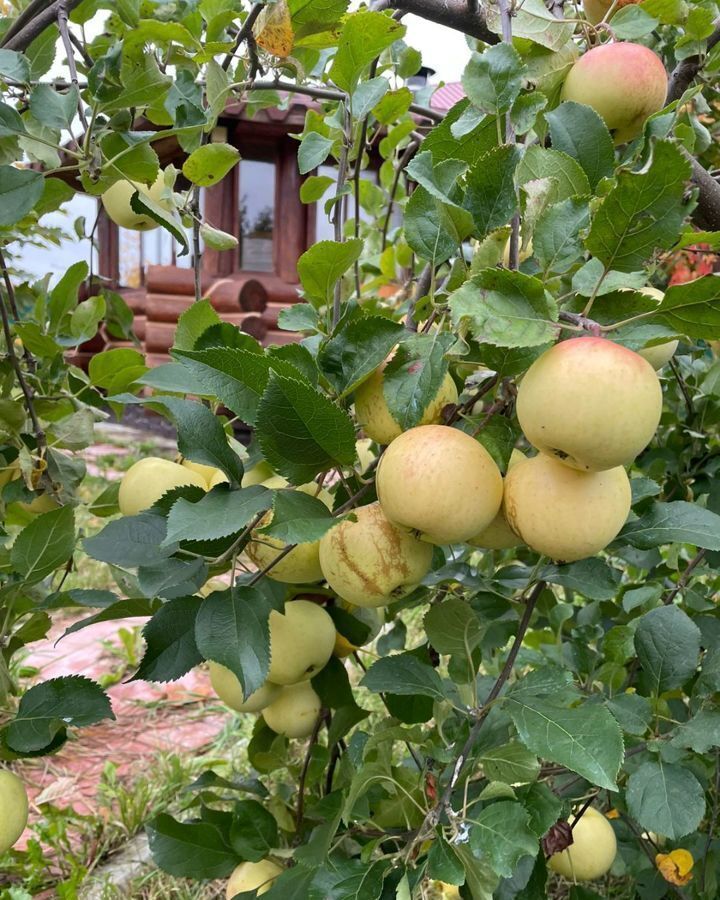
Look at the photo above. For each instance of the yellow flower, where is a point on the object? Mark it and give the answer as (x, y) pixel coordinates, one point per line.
(675, 867)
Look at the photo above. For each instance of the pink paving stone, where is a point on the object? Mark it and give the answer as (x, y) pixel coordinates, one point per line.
(150, 719)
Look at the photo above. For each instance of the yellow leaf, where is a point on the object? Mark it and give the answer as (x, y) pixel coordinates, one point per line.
(612, 814)
(675, 867)
(273, 29)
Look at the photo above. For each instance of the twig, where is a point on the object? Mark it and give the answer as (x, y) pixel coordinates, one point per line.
(461, 755)
(410, 151)
(81, 49)
(63, 27)
(300, 810)
(197, 255)
(243, 33)
(687, 70)
(713, 820)
(455, 14)
(34, 23)
(684, 389)
(15, 362)
(648, 852)
(422, 286)
(337, 749)
(685, 577)
(337, 218)
(465, 407)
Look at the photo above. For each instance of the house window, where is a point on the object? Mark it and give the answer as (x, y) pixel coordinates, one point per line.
(256, 198)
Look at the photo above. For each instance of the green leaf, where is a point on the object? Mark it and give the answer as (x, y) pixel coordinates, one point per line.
(453, 627)
(172, 578)
(138, 607)
(667, 642)
(14, 65)
(557, 243)
(568, 177)
(254, 831)
(493, 79)
(169, 636)
(20, 190)
(701, 733)
(693, 309)
(510, 763)
(237, 377)
(505, 308)
(52, 107)
(433, 229)
(232, 629)
(314, 149)
(48, 708)
(357, 349)
(298, 317)
(491, 196)
(210, 163)
(322, 266)
(216, 239)
(10, 122)
(665, 798)
(631, 23)
(45, 544)
(145, 205)
(301, 432)
(189, 850)
(586, 739)
(438, 180)
(578, 131)
(443, 865)
(403, 673)
(500, 834)
(591, 578)
(130, 541)
(367, 95)
(363, 37)
(193, 322)
(533, 20)
(217, 514)
(443, 143)
(298, 518)
(677, 522)
(633, 712)
(643, 213)
(314, 188)
(414, 376)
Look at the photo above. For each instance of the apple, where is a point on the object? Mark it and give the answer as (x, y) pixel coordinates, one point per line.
(252, 876)
(302, 564)
(590, 403)
(499, 535)
(563, 513)
(440, 890)
(14, 808)
(146, 481)
(256, 474)
(596, 10)
(294, 711)
(375, 418)
(371, 562)
(592, 851)
(228, 688)
(523, 254)
(365, 455)
(624, 83)
(302, 640)
(659, 354)
(440, 483)
(116, 201)
(210, 474)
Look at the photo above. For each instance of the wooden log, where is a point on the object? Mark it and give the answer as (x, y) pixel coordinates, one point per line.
(280, 291)
(271, 313)
(174, 280)
(135, 299)
(241, 292)
(281, 337)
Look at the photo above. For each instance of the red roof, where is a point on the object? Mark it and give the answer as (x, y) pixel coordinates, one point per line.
(447, 96)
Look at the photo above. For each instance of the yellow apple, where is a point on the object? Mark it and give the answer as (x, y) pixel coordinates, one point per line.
(439, 890)
(147, 480)
(302, 564)
(252, 876)
(523, 254)
(364, 454)
(563, 513)
(294, 711)
(257, 474)
(624, 83)
(228, 688)
(210, 474)
(659, 354)
(499, 535)
(590, 403)
(301, 642)
(371, 562)
(116, 201)
(14, 809)
(375, 418)
(440, 483)
(213, 584)
(275, 482)
(592, 851)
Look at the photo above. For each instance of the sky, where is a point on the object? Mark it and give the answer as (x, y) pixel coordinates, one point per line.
(442, 49)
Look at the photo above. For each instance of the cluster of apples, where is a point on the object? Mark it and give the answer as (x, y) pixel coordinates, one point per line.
(13, 809)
